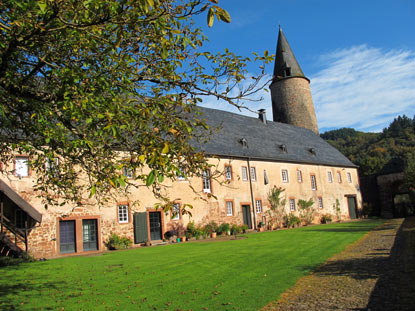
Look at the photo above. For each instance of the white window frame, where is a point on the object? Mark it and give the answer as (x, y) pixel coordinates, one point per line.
(253, 174)
(320, 203)
(299, 176)
(228, 172)
(313, 182)
(244, 170)
(21, 166)
(292, 205)
(284, 176)
(349, 177)
(229, 208)
(339, 177)
(175, 211)
(123, 215)
(258, 206)
(207, 183)
(127, 172)
(330, 176)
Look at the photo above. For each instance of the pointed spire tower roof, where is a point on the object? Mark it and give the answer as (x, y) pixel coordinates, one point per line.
(286, 64)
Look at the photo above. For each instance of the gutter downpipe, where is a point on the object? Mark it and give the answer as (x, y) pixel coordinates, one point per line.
(252, 193)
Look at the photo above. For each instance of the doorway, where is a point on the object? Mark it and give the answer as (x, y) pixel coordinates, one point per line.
(67, 239)
(246, 212)
(351, 203)
(155, 225)
(90, 234)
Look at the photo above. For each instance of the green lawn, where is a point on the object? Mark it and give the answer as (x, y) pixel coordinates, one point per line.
(232, 275)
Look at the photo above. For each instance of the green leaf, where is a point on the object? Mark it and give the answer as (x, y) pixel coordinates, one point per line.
(42, 6)
(165, 148)
(151, 178)
(224, 15)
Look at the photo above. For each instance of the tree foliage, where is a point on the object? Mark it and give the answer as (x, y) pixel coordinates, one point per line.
(82, 80)
(277, 203)
(371, 151)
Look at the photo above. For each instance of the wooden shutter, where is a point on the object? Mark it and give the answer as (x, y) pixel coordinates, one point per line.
(140, 228)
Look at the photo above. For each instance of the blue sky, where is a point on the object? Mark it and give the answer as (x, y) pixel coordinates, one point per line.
(359, 55)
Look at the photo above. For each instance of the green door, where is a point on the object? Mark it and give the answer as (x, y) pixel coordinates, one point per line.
(246, 212)
(351, 202)
(140, 228)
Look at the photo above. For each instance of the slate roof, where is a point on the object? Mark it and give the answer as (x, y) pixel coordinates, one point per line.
(284, 58)
(266, 141)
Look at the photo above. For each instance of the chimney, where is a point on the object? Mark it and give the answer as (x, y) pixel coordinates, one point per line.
(262, 116)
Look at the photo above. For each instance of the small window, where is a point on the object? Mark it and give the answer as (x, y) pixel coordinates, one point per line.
(123, 213)
(330, 176)
(339, 177)
(284, 175)
(287, 71)
(175, 211)
(320, 202)
(283, 148)
(228, 172)
(229, 208)
(258, 206)
(313, 182)
(266, 181)
(128, 172)
(299, 176)
(21, 168)
(253, 174)
(244, 173)
(180, 174)
(52, 164)
(292, 205)
(207, 187)
(349, 178)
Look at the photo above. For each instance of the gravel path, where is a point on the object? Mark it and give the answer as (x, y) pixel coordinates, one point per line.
(375, 273)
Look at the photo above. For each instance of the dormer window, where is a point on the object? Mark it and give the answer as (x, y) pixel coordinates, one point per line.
(312, 151)
(244, 142)
(283, 148)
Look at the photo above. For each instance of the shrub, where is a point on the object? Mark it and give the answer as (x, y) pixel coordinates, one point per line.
(190, 230)
(210, 227)
(235, 229)
(291, 220)
(306, 211)
(117, 242)
(276, 213)
(224, 228)
(326, 219)
(244, 228)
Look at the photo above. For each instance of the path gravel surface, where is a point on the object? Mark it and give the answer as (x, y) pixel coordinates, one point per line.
(375, 273)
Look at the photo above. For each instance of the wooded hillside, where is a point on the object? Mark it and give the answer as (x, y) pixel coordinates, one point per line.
(371, 151)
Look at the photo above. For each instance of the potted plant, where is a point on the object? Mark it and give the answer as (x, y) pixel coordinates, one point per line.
(326, 219)
(211, 229)
(225, 228)
(260, 226)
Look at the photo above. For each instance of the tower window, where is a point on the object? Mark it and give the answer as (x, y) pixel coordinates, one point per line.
(287, 71)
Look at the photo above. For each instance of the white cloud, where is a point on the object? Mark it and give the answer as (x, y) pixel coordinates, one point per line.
(359, 87)
(364, 88)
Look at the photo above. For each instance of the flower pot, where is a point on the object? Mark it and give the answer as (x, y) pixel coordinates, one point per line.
(183, 239)
(178, 240)
(213, 235)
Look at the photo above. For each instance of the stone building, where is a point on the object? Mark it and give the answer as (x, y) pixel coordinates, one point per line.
(253, 154)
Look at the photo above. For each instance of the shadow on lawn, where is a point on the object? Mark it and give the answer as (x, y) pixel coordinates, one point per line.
(395, 270)
(12, 298)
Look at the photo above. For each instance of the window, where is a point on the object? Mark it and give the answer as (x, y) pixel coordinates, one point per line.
(313, 182)
(228, 172)
(266, 181)
(349, 177)
(284, 175)
(299, 176)
(292, 205)
(339, 177)
(180, 174)
(330, 176)
(229, 208)
(123, 213)
(128, 172)
(244, 173)
(21, 168)
(253, 174)
(175, 211)
(207, 187)
(320, 202)
(258, 206)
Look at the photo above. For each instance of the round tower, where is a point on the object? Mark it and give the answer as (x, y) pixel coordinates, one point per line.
(290, 90)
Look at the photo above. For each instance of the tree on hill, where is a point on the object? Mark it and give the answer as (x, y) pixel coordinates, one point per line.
(81, 80)
(371, 151)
